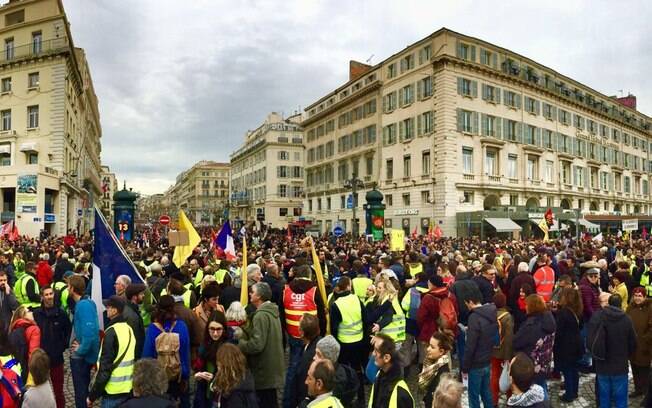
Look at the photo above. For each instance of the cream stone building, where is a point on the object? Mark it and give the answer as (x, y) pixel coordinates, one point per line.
(452, 126)
(109, 187)
(49, 122)
(202, 192)
(267, 173)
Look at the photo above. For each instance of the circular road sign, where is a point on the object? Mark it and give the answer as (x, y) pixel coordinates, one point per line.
(338, 231)
(164, 220)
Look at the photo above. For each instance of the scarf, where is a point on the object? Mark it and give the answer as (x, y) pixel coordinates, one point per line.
(430, 369)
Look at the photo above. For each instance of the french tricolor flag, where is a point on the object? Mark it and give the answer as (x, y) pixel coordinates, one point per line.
(224, 242)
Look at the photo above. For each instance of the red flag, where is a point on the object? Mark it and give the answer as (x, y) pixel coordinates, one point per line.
(14, 232)
(549, 218)
(414, 233)
(289, 236)
(644, 233)
(438, 232)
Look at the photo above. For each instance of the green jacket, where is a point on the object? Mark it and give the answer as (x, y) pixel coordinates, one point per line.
(262, 343)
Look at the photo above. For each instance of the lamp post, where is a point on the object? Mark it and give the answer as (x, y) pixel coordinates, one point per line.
(354, 183)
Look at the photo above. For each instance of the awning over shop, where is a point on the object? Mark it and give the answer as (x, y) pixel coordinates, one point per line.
(589, 225)
(503, 224)
(5, 149)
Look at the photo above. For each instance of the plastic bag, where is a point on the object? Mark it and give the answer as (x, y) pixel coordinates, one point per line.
(504, 382)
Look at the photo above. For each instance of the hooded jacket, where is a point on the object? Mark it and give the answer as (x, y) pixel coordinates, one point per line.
(55, 328)
(534, 397)
(242, 396)
(263, 346)
(428, 312)
(620, 340)
(480, 337)
(462, 288)
(535, 327)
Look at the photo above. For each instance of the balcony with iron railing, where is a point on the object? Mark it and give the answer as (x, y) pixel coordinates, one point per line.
(14, 53)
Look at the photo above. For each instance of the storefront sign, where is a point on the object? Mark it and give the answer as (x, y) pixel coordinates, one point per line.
(406, 211)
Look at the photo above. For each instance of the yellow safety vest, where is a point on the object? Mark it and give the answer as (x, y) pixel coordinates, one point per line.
(360, 285)
(219, 275)
(62, 288)
(121, 379)
(406, 303)
(415, 269)
(20, 289)
(328, 402)
(186, 296)
(393, 399)
(396, 328)
(199, 276)
(645, 281)
(350, 329)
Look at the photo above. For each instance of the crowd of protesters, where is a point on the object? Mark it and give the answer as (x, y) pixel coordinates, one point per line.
(500, 318)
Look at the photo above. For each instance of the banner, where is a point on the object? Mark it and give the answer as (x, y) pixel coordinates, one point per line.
(630, 225)
(26, 193)
(397, 242)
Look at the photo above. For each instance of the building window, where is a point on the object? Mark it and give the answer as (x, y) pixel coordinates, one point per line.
(389, 199)
(406, 95)
(391, 71)
(512, 99)
(532, 168)
(390, 168)
(37, 42)
(466, 51)
(342, 202)
(512, 166)
(283, 155)
(9, 48)
(389, 134)
(5, 115)
(407, 63)
(6, 84)
(468, 197)
(426, 122)
(603, 180)
(283, 212)
(579, 176)
(424, 88)
(425, 163)
(319, 204)
(424, 54)
(33, 80)
(466, 87)
(5, 156)
(32, 117)
(628, 187)
(282, 190)
(513, 199)
(550, 202)
(550, 171)
(465, 121)
(406, 199)
(425, 197)
(565, 173)
(369, 165)
(547, 139)
(282, 171)
(32, 158)
(407, 164)
(491, 162)
(406, 129)
(467, 160)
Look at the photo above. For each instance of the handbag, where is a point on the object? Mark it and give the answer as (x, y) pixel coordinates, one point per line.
(504, 382)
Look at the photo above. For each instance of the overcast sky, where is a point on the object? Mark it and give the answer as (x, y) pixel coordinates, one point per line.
(182, 81)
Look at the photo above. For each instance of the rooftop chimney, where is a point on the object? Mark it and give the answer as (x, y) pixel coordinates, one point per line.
(629, 101)
(357, 69)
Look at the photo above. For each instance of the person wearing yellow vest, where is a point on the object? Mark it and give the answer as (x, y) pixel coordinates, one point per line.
(222, 271)
(415, 266)
(389, 389)
(113, 380)
(196, 273)
(347, 316)
(189, 297)
(388, 317)
(320, 382)
(299, 296)
(26, 288)
(360, 282)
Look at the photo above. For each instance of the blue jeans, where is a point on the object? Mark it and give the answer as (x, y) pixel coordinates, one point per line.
(460, 343)
(81, 379)
(587, 359)
(479, 388)
(612, 389)
(112, 402)
(296, 350)
(571, 379)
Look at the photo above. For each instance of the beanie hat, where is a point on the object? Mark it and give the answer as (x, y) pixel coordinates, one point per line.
(329, 348)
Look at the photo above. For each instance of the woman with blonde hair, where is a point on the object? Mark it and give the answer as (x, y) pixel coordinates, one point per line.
(448, 393)
(24, 336)
(233, 385)
(385, 314)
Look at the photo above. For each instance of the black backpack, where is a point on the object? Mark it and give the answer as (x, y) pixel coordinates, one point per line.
(346, 384)
(19, 343)
(597, 341)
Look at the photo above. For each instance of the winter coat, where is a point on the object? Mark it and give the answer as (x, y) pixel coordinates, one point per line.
(194, 328)
(620, 340)
(384, 386)
(62, 266)
(44, 273)
(87, 331)
(263, 346)
(535, 327)
(641, 316)
(55, 329)
(480, 337)
(590, 300)
(110, 347)
(300, 387)
(149, 402)
(32, 335)
(242, 396)
(505, 350)
(132, 316)
(300, 286)
(486, 288)
(39, 396)
(568, 346)
(8, 304)
(428, 312)
(149, 347)
(432, 386)
(462, 288)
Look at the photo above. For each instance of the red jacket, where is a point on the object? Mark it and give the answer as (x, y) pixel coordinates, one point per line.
(32, 335)
(428, 312)
(44, 273)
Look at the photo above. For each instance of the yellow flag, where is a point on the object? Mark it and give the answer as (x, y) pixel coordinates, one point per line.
(544, 227)
(182, 252)
(397, 242)
(244, 289)
(320, 282)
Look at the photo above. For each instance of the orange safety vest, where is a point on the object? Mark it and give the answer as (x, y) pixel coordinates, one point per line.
(295, 305)
(544, 279)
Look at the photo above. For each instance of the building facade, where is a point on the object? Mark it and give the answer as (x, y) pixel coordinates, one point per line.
(455, 124)
(202, 192)
(109, 187)
(49, 122)
(267, 173)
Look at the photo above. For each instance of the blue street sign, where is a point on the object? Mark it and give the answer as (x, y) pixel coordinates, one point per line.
(338, 230)
(79, 212)
(349, 201)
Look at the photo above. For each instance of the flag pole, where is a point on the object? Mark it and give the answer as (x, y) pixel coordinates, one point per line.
(244, 293)
(320, 282)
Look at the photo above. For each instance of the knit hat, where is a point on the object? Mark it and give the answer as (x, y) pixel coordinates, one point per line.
(329, 348)
(638, 291)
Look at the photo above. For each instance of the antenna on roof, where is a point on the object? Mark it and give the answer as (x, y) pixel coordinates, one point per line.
(621, 93)
(368, 61)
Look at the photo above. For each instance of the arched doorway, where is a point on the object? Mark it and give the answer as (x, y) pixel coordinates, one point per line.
(531, 203)
(565, 204)
(593, 206)
(491, 201)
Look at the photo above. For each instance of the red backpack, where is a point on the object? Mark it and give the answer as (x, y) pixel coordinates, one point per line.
(448, 314)
(11, 386)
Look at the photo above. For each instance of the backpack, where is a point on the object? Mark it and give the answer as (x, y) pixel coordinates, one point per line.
(447, 314)
(346, 384)
(542, 354)
(501, 336)
(597, 342)
(19, 343)
(167, 349)
(11, 386)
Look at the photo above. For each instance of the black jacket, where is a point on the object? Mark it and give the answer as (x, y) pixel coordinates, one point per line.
(620, 340)
(486, 288)
(346, 384)
(462, 288)
(300, 387)
(277, 285)
(8, 304)
(384, 386)
(62, 266)
(568, 346)
(55, 332)
(243, 396)
(480, 337)
(131, 314)
(107, 357)
(149, 402)
(427, 398)
(534, 328)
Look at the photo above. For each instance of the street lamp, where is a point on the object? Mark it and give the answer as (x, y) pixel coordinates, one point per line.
(354, 183)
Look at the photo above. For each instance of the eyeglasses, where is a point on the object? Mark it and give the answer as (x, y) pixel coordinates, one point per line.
(216, 329)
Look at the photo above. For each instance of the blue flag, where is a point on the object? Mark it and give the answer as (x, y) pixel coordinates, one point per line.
(224, 242)
(109, 261)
